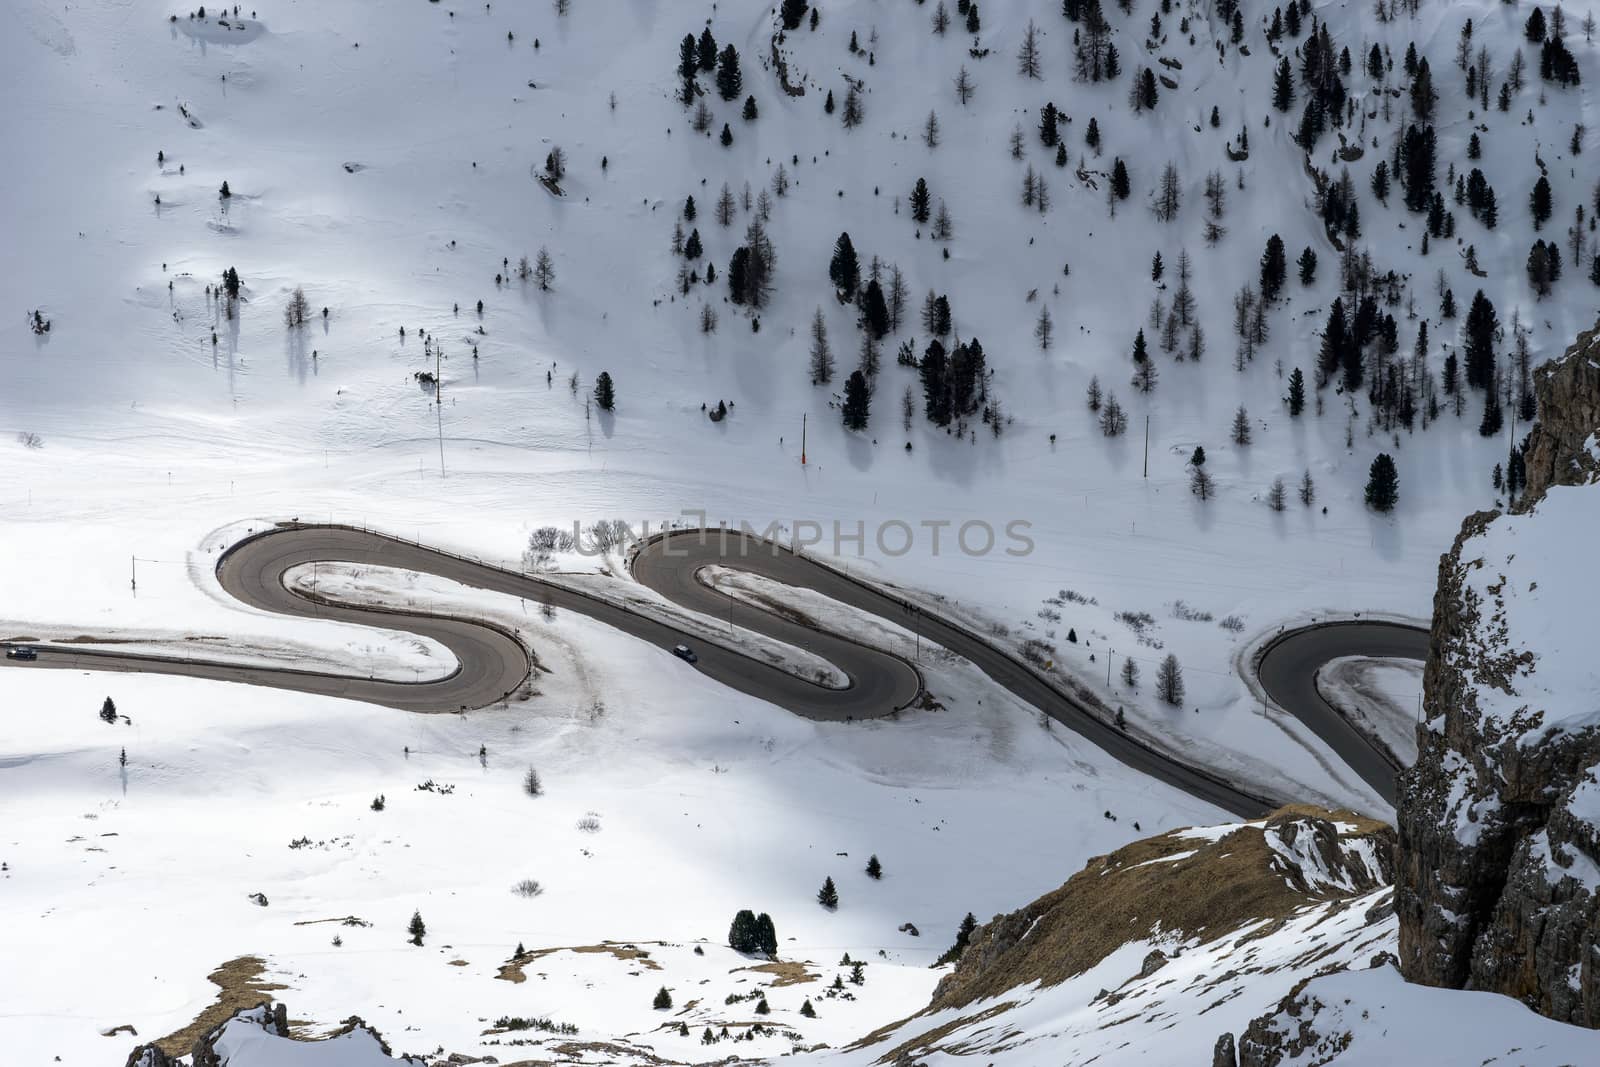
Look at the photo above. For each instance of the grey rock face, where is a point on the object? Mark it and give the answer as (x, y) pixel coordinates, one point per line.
(1499, 856)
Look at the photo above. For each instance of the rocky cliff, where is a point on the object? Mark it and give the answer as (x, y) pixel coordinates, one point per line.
(1498, 875)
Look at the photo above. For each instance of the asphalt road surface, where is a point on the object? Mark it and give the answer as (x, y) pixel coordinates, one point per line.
(1287, 669)
(493, 662)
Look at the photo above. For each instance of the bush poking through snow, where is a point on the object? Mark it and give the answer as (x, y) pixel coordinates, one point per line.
(528, 888)
(531, 784)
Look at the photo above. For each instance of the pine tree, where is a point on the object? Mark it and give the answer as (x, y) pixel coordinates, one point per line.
(1539, 202)
(1308, 489)
(874, 868)
(919, 201)
(663, 1000)
(1478, 341)
(1049, 135)
(1297, 393)
(766, 936)
(1241, 427)
(858, 400)
(1043, 330)
(792, 11)
(851, 116)
(963, 938)
(1120, 187)
(1383, 484)
(821, 355)
(874, 311)
(1201, 485)
(1130, 673)
(1274, 268)
(417, 928)
(828, 895)
(1169, 676)
(742, 936)
(1091, 136)
(844, 269)
(727, 135)
(1028, 62)
(1283, 86)
(750, 112)
(1308, 266)
(807, 1010)
(1276, 495)
(108, 711)
(1093, 395)
(605, 397)
(730, 82)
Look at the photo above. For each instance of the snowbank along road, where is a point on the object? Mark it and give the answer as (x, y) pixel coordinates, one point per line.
(493, 662)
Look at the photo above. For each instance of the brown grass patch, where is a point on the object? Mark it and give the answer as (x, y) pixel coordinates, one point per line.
(239, 986)
(1223, 886)
(789, 972)
(627, 951)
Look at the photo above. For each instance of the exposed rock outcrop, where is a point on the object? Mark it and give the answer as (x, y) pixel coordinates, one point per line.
(1498, 882)
(1560, 447)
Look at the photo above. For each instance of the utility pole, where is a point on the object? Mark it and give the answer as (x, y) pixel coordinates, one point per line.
(1147, 446)
(1109, 656)
(438, 399)
(133, 574)
(802, 439)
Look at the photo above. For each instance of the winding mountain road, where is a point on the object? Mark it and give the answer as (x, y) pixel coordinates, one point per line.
(492, 662)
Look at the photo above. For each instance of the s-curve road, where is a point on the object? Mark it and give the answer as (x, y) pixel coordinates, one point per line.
(1287, 669)
(493, 662)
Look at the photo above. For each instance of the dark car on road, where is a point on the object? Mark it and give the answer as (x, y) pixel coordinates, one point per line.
(22, 652)
(685, 653)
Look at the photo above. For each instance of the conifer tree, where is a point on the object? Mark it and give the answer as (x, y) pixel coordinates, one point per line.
(1308, 266)
(919, 201)
(1241, 427)
(605, 397)
(858, 402)
(1297, 393)
(1274, 268)
(730, 82)
(417, 928)
(1383, 484)
(828, 895)
(844, 269)
(1169, 676)
(1478, 341)
(963, 938)
(1283, 86)
(821, 365)
(663, 1000)
(874, 868)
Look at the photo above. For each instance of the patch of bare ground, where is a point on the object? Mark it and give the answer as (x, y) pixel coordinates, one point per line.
(787, 972)
(240, 985)
(627, 951)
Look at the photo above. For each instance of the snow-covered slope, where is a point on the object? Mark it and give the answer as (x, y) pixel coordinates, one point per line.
(387, 166)
(386, 161)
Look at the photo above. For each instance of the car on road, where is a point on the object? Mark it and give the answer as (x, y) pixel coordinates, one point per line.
(22, 652)
(685, 653)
